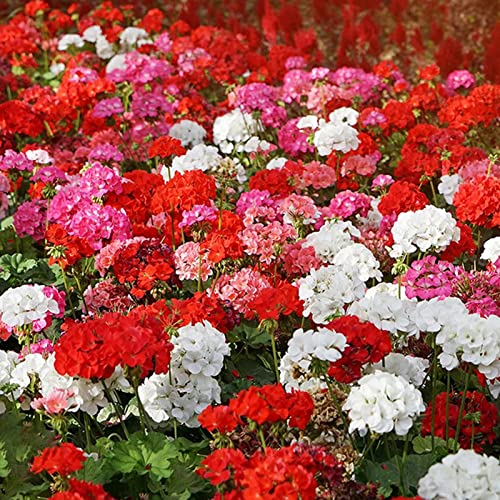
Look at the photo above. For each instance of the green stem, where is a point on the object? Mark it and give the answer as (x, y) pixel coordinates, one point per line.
(433, 390)
(116, 408)
(262, 439)
(462, 404)
(447, 423)
(401, 464)
(142, 412)
(68, 293)
(275, 358)
(341, 413)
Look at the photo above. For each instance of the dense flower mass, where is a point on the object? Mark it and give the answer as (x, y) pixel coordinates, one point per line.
(249, 250)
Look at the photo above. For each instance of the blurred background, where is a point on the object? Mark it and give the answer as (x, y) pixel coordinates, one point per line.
(411, 33)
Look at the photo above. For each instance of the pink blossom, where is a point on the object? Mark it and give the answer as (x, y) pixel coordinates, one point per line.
(266, 240)
(56, 401)
(191, 264)
(30, 219)
(198, 213)
(240, 288)
(347, 203)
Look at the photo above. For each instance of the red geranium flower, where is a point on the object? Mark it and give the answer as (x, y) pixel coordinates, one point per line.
(166, 146)
(365, 344)
(63, 459)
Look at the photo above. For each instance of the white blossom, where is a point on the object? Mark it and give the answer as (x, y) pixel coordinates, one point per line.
(200, 157)
(448, 186)
(335, 137)
(25, 304)
(358, 260)
(411, 368)
(233, 130)
(332, 237)
(382, 402)
(491, 249)
(466, 475)
(326, 290)
(188, 132)
(69, 40)
(429, 229)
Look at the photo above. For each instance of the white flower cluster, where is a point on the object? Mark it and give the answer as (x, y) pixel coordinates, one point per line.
(104, 49)
(326, 290)
(411, 368)
(382, 402)
(303, 348)
(491, 250)
(336, 134)
(358, 260)
(382, 307)
(237, 131)
(429, 229)
(188, 132)
(25, 304)
(190, 386)
(466, 475)
(332, 237)
(83, 394)
(475, 339)
(200, 157)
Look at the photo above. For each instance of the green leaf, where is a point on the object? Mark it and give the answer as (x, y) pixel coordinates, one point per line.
(143, 455)
(4, 464)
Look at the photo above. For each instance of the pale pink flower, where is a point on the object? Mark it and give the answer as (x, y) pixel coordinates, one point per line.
(55, 403)
(191, 264)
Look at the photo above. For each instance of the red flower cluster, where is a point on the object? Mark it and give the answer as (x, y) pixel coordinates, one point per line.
(267, 404)
(183, 192)
(63, 459)
(94, 348)
(135, 199)
(202, 307)
(166, 146)
(402, 197)
(365, 344)
(81, 490)
(478, 418)
(64, 249)
(273, 474)
(478, 201)
(142, 264)
(271, 303)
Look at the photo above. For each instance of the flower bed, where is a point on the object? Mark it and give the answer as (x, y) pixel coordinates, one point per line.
(231, 270)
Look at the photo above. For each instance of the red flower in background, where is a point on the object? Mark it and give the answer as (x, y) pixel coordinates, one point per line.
(266, 404)
(479, 418)
(478, 201)
(166, 146)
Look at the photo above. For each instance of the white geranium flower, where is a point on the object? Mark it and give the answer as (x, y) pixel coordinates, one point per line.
(188, 132)
(466, 475)
(69, 40)
(491, 249)
(326, 290)
(429, 229)
(382, 402)
(448, 186)
(25, 304)
(411, 368)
